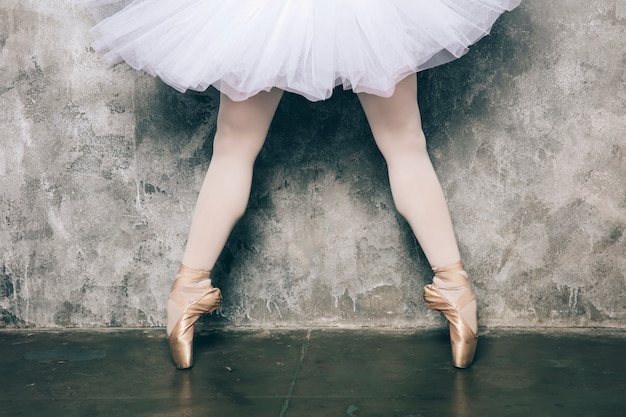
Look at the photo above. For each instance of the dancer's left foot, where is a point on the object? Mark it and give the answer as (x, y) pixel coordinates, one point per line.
(452, 294)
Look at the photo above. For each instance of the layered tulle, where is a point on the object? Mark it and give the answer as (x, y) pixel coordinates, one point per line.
(303, 46)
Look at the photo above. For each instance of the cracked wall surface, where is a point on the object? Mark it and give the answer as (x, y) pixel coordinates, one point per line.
(99, 170)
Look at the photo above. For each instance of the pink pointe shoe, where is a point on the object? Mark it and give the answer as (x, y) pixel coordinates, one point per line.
(192, 295)
(452, 279)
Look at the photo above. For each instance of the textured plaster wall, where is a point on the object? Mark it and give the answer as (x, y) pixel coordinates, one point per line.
(99, 170)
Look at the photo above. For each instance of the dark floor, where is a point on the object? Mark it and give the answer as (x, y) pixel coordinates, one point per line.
(349, 373)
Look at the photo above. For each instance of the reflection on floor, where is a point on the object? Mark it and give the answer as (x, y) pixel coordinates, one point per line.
(317, 373)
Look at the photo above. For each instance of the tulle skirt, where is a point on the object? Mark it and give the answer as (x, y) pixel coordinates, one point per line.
(308, 47)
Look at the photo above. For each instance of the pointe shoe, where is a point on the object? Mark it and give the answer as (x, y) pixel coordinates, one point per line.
(189, 282)
(462, 337)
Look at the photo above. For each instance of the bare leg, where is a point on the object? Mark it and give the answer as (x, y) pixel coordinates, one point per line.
(417, 194)
(241, 131)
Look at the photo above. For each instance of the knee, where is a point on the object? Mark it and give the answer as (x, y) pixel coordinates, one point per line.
(232, 124)
(402, 143)
(238, 144)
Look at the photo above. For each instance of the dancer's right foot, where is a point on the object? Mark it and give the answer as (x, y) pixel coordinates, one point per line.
(192, 295)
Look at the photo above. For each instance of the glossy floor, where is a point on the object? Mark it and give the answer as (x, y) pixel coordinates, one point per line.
(317, 373)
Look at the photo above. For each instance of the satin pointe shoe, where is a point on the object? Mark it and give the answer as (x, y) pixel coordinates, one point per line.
(453, 282)
(192, 295)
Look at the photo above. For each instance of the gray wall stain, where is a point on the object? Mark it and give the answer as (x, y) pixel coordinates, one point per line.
(99, 170)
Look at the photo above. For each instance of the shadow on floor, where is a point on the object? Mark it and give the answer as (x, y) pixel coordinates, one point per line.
(317, 373)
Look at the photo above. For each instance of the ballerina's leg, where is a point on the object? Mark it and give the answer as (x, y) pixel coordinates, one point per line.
(417, 194)
(241, 130)
(396, 125)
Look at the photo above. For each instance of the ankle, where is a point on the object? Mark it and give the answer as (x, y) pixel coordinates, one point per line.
(450, 276)
(193, 272)
(450, 268)
(451, 280)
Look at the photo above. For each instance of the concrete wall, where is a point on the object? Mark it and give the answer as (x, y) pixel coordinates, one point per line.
(99, 170)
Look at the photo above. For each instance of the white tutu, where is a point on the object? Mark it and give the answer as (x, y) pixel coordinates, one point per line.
(303, 46)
